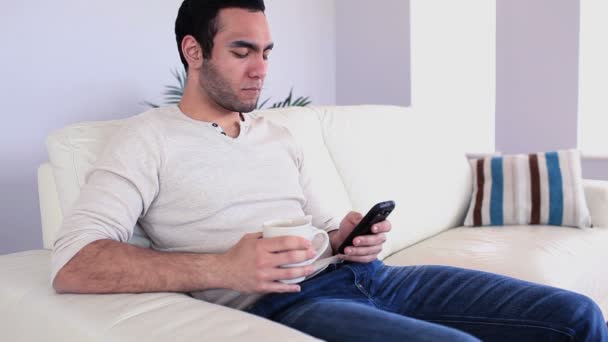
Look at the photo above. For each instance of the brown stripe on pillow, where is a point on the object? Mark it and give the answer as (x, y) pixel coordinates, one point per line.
(479, 198)
(535, 189)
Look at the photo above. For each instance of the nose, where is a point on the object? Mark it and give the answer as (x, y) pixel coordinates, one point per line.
(258, 67)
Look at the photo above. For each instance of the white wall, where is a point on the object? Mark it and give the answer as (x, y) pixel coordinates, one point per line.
(385, 48)
(305, 50)
(593, 77)
(537, 72)
(373, 52)
(68, 61)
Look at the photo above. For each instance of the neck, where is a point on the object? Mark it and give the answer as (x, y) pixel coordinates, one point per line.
(196, 104)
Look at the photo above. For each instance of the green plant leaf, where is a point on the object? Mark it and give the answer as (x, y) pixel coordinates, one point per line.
(304, 101)
(172, 87)
(172, 94)
(150, 104)
(288, 99)
(172, 98)
(260, 106)
(168, 93)
(298, 101)
(180, 75)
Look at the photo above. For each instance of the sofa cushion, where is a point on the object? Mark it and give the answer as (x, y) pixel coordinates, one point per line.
(72, 151)
(395, 153)
(596, 195)
(539, 188)
(50, 212)
(32, 311)
(564, 257)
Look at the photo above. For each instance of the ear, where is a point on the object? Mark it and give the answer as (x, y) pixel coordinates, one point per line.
(192, 52)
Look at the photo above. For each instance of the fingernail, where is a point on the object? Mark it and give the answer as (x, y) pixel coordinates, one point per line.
(375, 229)
(348, 250)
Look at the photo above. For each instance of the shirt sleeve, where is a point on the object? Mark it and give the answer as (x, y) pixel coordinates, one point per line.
(118, 190)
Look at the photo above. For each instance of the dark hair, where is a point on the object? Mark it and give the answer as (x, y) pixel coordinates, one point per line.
(198, 18)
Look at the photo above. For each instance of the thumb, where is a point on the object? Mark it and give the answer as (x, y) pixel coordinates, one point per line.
(355, 217)
(256, 235)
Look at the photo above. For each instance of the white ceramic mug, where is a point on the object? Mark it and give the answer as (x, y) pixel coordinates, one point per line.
(298, 226)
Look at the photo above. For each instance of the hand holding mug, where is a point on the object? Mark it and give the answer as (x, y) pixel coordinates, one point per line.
(274, 263)
(300, 227)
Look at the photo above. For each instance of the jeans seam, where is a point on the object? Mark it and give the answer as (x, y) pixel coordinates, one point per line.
(519, 324)
(362, 290)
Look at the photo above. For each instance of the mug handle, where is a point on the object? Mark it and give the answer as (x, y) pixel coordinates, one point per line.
(317, 232)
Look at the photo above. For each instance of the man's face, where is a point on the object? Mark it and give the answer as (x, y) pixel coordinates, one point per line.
(234, 75)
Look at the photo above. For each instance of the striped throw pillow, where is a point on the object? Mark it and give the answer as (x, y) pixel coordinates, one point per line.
(542, 188)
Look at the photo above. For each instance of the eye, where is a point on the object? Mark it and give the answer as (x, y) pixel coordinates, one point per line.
(240, 55)
(266, 56)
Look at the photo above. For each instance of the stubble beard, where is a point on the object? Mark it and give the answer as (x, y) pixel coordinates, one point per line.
(218, 89)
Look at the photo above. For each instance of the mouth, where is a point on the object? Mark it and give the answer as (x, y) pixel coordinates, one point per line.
(252, 91)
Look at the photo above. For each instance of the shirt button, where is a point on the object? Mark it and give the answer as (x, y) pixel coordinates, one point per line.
(224, 133)
(214, 124)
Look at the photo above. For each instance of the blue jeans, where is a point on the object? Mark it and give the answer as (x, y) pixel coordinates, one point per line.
(375, 302)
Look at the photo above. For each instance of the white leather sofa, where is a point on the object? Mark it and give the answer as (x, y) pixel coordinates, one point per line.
(361, 155)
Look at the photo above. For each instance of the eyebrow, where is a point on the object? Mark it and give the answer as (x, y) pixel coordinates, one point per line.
(249, 45)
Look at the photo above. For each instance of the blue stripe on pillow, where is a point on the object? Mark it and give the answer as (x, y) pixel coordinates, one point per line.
(556, 191)
(496, 217)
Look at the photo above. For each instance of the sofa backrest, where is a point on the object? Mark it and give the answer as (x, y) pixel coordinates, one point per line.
(359, 155)
(397, 153)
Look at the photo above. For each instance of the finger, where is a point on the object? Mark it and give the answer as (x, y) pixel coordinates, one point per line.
(291, 257)
(285, 243)
(256, 235)
(360, 251)
(278, 273)
(354, 217)
(369, 240)
(382, 227)
(275, 286)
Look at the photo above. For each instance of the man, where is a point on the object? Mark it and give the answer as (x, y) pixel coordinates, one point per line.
(201, 177)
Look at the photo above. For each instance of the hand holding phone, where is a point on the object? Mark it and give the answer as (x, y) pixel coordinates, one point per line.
(377, 213)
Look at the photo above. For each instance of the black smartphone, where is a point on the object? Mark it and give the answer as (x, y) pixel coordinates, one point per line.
(377, 213)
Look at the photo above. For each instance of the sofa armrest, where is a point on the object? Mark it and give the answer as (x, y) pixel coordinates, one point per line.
(596, 194)
(30, 310)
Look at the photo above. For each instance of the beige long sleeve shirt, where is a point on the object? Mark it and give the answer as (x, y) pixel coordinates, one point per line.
(191, 189)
